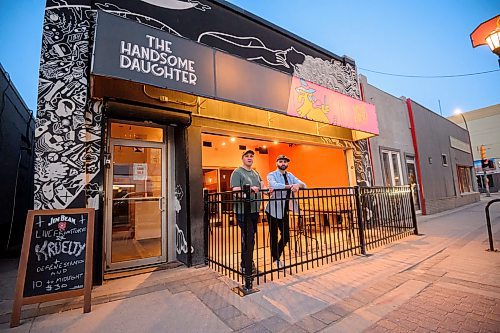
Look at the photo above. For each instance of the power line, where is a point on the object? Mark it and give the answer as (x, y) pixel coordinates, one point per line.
(429, 76)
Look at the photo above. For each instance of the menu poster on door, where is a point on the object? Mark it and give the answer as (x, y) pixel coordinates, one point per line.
(56, 258)
(140, 171)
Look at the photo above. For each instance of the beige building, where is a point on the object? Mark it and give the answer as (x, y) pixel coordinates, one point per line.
(484, 129)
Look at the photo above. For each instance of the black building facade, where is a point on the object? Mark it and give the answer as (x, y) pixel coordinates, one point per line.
(92, 145)
(17, 127)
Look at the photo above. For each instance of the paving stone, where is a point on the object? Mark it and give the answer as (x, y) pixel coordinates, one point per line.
(339, 309)
(177, 288)
(377, 329)
(387, 324)
(294, 329)
(311, 324)
(365, 296)
(213, 300)
(239, 322)
(326, 316)
(421, 330)
(255, 328)
(227, 312)
(275, 323)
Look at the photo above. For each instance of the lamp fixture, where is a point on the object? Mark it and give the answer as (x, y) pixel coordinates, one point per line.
(493, 41)
(488, 33)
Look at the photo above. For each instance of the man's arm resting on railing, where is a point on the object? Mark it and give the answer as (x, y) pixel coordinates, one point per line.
(297, 184)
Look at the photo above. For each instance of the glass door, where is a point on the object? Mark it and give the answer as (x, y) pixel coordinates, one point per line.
(136, 214)
(411, 172)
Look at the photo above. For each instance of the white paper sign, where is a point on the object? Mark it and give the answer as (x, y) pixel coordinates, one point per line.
(140, 171)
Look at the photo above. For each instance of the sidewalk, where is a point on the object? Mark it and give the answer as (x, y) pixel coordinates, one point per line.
(443, 280)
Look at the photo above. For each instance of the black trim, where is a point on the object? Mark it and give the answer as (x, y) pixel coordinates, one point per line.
(138, 111)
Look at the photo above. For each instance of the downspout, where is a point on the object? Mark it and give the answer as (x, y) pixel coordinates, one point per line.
(369, 144)
(417, 158)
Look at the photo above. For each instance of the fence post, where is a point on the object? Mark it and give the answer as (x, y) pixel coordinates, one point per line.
(413, 214)
(361, 227)
(206, 224)
(248, 233)
(488, 223)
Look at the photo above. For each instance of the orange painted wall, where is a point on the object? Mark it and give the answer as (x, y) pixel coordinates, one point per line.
(316, 166)
(229, 155)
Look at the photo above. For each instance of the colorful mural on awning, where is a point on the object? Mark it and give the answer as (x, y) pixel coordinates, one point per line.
(140, 53)
(314, 102)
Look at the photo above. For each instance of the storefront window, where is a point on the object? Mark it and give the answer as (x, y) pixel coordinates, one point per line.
(317, 166)
(464, 179)
(136, 132)
(392, 168)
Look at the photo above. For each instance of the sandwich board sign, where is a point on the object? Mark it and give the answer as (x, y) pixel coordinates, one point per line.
(56, 258)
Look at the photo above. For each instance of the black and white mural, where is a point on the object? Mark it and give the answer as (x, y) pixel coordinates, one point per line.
(68, 127)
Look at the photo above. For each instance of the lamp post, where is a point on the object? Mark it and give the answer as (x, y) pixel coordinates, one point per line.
(485, 180)
(488, 32)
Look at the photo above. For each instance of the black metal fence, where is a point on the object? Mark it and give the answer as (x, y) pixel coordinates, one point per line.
(266, 235)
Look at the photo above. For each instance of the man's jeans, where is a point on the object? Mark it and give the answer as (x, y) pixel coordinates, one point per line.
(284, 227)
(254, 218)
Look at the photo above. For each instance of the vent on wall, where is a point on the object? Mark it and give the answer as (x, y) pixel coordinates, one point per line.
(207, 144)
(261, 150)
(243, 147)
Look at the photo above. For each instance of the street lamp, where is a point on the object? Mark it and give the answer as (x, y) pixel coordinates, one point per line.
(459, 112)
(488, 32)
(485, 180)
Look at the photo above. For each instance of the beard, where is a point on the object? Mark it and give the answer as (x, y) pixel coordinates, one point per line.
(282, 167)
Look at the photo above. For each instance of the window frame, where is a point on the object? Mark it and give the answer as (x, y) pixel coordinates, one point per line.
(390, 153)
(444, 159)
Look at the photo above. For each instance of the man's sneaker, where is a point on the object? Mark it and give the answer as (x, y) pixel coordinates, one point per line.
(242, 268)
(279, 264)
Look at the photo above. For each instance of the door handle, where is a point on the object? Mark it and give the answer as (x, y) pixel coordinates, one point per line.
(160, 204)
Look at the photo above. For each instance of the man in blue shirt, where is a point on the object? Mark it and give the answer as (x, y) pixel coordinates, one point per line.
(283, 185)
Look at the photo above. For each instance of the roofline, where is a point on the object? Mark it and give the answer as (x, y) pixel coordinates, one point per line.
(13, 87)
(402, 98)
(280, 30)
(445, 118)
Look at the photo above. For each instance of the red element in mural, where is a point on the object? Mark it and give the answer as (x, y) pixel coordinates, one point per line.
(61, 226)
(314, 102)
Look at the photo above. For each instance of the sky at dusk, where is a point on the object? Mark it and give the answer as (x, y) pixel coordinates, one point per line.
(424, 38)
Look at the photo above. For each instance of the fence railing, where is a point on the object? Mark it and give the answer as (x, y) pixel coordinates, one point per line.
(266, 235)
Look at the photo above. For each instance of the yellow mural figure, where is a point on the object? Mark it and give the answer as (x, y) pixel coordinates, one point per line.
(360, 114)
(307, 109)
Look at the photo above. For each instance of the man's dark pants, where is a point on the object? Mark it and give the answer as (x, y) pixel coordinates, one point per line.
(284, 226)
(254, 218)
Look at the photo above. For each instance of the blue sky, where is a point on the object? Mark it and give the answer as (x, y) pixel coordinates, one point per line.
(405, 37)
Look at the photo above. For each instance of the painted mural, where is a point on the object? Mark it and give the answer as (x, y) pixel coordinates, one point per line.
(314, 102)
(68, 129)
